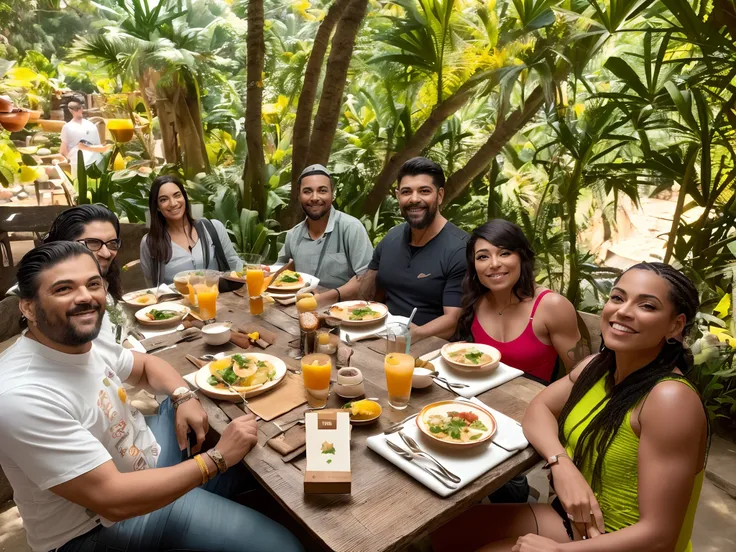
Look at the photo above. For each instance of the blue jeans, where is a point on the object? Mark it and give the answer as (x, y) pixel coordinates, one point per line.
(204, 519)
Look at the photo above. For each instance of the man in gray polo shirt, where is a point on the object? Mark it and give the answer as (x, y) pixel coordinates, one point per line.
(329, 244)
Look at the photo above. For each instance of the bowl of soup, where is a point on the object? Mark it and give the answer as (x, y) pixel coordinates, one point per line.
(471, 357)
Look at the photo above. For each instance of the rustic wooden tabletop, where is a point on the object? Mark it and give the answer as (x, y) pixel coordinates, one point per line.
(387, 509)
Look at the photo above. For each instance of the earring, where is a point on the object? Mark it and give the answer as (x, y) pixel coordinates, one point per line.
(671, 341)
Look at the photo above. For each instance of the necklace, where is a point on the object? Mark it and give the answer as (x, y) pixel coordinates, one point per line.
(500, 313)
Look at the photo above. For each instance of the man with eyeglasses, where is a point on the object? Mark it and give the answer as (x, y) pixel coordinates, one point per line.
(79, 134)
(98, 229)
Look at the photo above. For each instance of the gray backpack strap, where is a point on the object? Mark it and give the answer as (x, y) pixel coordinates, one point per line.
(220, 257)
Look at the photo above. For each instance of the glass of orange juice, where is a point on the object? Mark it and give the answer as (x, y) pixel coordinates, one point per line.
(255, 281)
(317, 369)
(207, 292)
(399, 369)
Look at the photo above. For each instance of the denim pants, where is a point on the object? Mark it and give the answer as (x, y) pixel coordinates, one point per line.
(204, 519)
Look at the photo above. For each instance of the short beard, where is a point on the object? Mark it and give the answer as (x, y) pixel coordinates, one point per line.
(68, 334)
(422, 223)
(317, 216)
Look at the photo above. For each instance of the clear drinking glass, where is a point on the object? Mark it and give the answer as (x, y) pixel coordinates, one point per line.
(399, 369)
(398, 338)
(254, 279)
(317, 370)
(207, 292)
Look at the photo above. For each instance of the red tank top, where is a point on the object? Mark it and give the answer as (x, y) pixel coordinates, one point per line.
(525, 352)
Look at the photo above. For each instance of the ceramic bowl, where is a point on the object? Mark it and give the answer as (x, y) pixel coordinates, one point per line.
(421, 378)
(217, 333)
(349, 383)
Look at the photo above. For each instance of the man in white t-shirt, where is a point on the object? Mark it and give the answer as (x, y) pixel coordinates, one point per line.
(79, 134)
(88, 469)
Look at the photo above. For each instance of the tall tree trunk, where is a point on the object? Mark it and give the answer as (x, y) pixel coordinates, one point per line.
(331, 100)
(303, 121)
(416, 143)
(189, 130)
(504, 131)
(254, 174)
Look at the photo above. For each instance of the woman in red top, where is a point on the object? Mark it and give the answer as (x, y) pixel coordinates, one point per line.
(503, 307)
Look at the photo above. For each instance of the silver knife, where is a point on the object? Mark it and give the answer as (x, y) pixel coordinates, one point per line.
(406, 455)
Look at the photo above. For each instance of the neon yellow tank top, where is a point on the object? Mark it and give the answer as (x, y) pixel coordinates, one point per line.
(619, 494)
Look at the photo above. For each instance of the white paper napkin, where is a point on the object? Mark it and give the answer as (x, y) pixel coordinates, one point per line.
(360, 331)
(477, 383)
(468, 464)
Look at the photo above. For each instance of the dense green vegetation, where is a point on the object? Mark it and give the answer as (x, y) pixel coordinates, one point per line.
(545, 112)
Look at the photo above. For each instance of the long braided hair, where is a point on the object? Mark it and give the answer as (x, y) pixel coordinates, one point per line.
(624, 396)
(504, 235)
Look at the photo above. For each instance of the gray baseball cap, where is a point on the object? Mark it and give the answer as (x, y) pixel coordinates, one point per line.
(315, 169)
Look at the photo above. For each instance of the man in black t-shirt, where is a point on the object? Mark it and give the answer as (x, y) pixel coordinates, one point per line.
(420, 263)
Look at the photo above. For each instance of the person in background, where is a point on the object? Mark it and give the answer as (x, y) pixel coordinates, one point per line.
(176, 242)
(79, 134)
(420, 263)
(328, 244)
(625, 436)
(504, 308)
(87, 470)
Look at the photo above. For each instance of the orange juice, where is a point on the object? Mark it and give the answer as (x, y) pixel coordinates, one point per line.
(256, 305)
(207, 299)
(399, 371)
(254, 279)
(317, 369)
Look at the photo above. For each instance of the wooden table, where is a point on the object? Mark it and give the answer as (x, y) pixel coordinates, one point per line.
(387, 509)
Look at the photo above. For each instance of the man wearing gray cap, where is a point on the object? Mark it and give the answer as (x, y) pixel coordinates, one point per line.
(329, 244)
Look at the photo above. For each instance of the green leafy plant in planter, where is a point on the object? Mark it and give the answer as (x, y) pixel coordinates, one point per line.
(124, 192)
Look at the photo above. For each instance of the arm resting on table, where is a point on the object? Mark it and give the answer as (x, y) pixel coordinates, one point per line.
(443, 326)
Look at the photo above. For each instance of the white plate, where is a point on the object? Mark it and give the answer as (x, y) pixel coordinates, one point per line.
(130, 298)
(203, 374)
(378, 307)
(481, 368)
(296, 286)
(181, 309)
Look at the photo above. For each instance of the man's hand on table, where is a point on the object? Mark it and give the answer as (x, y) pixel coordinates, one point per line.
(191, 415)
(239, 437)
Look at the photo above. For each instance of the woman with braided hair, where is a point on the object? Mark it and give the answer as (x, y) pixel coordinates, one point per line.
(625, 437)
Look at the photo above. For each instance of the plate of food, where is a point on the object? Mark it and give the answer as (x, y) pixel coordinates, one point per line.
(162, 314)
(456, 423)
(471, 357)
(364, 411)
(249, 374)
(359, 313)
(289, 280)
(141, 298)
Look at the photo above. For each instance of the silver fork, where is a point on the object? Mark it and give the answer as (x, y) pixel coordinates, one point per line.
(414, 447)
(406, 455)
(219, 378)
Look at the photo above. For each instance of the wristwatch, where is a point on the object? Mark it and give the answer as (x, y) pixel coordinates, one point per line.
(218, 459)
(182, 395)
(552, 460)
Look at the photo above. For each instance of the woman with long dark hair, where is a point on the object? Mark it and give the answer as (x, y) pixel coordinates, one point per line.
(176, 241)
(504, 307)
(625, 436)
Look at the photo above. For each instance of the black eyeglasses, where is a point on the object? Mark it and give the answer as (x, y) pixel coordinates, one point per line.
(93, 244)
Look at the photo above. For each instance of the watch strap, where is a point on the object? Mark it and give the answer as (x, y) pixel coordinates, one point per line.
(218, 459)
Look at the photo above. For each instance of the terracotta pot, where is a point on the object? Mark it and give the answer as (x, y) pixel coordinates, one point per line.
(6, 105)
(35, 116)
(15, 121)
(51, 125)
